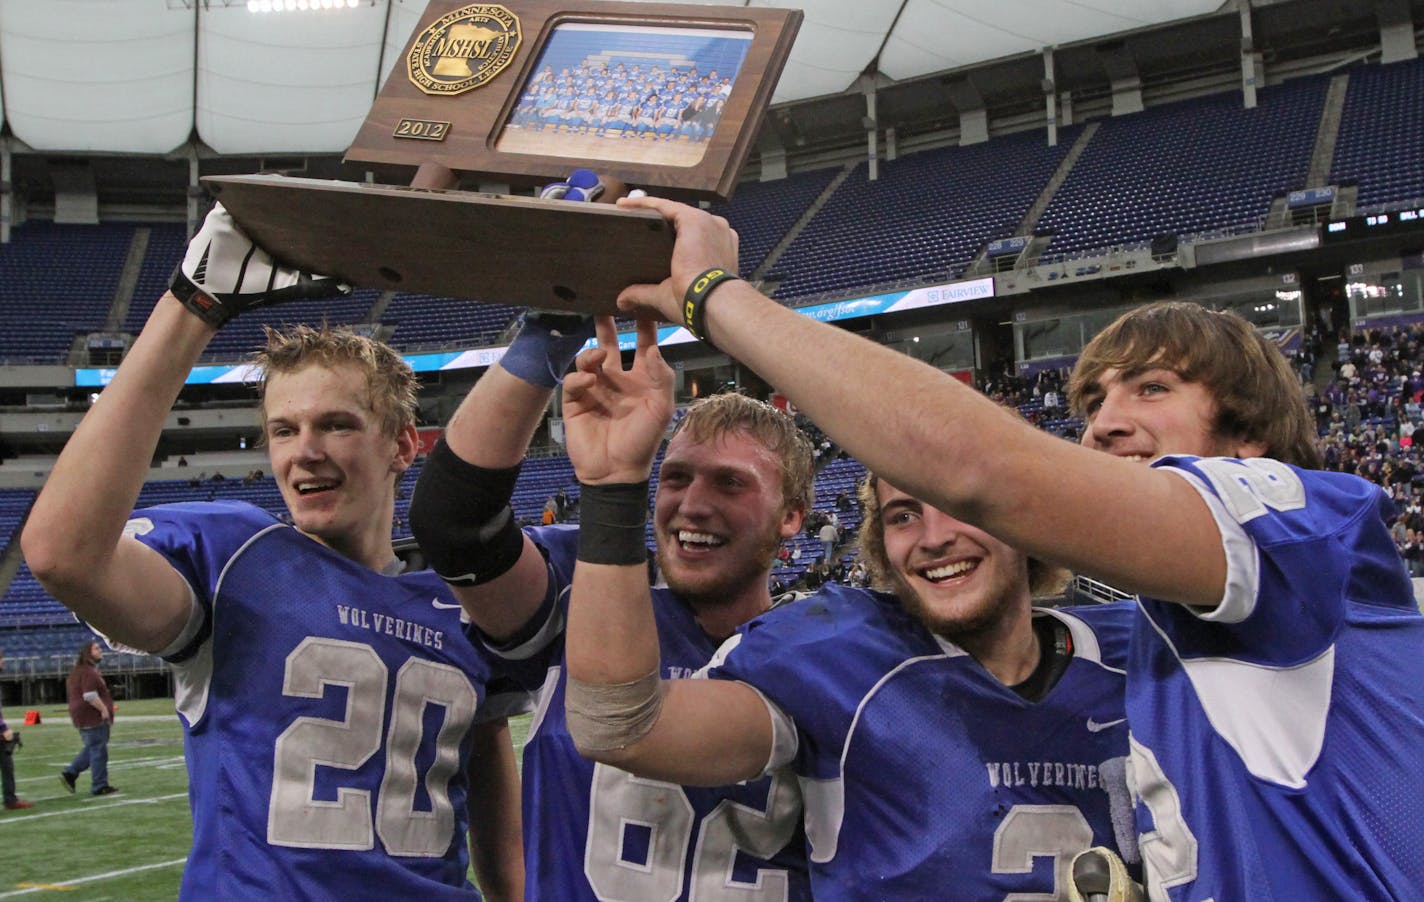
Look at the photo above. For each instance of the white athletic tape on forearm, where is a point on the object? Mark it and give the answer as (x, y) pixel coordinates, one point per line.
(605, 717)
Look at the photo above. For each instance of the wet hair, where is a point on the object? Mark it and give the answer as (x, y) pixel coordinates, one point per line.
(718, 415)
(390, 382)
(1258, 397)
(1044, 579)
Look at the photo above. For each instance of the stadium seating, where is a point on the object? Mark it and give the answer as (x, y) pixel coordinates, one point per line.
(922, 220)
(245, 334)
(841, 475)
(539, 479)
(57, 282)
(165, 249)
(26, 604)
(763, 212)
(1382, 134)
(43, 649)
(1185, 168)
(14, 503)
(420, 319)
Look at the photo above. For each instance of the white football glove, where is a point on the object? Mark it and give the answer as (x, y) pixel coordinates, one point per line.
(1099, 875)
(224, 273)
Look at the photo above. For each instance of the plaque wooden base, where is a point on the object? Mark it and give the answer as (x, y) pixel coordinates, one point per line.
(495, 248)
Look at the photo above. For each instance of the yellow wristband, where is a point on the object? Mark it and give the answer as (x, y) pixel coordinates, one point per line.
(694, 313)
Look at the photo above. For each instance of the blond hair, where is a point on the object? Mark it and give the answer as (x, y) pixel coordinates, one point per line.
(724, 414)
(390, 382)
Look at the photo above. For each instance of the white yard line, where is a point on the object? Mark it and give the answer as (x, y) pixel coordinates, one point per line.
(160, 762)
(69, 884)
(22, 818)
(58, 764)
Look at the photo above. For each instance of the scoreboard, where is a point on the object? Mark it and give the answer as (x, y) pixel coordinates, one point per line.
(1409, 221)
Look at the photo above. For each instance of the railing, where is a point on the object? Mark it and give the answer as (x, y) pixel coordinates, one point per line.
(1100, 591)
(115, 664)
(1390, 206)
(31, 360)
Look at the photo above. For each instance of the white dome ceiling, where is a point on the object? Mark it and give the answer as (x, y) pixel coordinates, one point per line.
(141, 76)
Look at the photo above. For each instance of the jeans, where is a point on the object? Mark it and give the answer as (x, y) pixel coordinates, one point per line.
(95, 754)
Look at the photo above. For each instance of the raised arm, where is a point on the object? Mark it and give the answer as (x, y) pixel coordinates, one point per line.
(943, 442)
(73, 539)
(620, 711)
(460, 512)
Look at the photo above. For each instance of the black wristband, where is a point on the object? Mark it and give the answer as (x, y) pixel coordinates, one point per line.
(201, 304)
(612, 520)
(694, 311)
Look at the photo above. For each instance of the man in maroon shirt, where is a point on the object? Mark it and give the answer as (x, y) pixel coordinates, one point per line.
(92, 710)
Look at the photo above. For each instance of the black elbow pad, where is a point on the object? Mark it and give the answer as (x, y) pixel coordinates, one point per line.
(460, 515)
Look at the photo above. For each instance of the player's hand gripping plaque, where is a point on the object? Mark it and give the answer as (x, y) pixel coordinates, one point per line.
(666, 97)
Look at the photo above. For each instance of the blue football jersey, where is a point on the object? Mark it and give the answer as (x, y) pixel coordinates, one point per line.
(923, 776)
(594, 832)
(327, 712)
(1276, 739)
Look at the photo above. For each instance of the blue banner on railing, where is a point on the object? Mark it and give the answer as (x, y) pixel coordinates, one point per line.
(892, 302)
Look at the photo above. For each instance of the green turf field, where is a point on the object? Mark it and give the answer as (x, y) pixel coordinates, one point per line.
(130, 845)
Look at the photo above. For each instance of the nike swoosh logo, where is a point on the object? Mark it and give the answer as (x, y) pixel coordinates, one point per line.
(447, 606)
(1095, 727)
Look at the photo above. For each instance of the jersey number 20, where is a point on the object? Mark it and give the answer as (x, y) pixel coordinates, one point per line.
(296, 818)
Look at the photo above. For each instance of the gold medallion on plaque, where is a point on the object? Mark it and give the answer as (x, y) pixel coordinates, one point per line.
(463, 49)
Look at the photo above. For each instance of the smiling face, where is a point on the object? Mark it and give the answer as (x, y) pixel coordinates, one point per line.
(957, 580)
(719, 516)
(335, 465)
(1144, 414)
(1198, 358)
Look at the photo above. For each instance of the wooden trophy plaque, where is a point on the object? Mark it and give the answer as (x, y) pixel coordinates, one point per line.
(663, 97)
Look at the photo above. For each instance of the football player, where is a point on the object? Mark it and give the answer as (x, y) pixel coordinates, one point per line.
(949, 739)
(327, 699)
(1275, 657)
(735, 483)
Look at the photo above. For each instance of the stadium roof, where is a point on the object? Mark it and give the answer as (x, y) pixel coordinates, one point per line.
(135, 97)
(144, 76)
